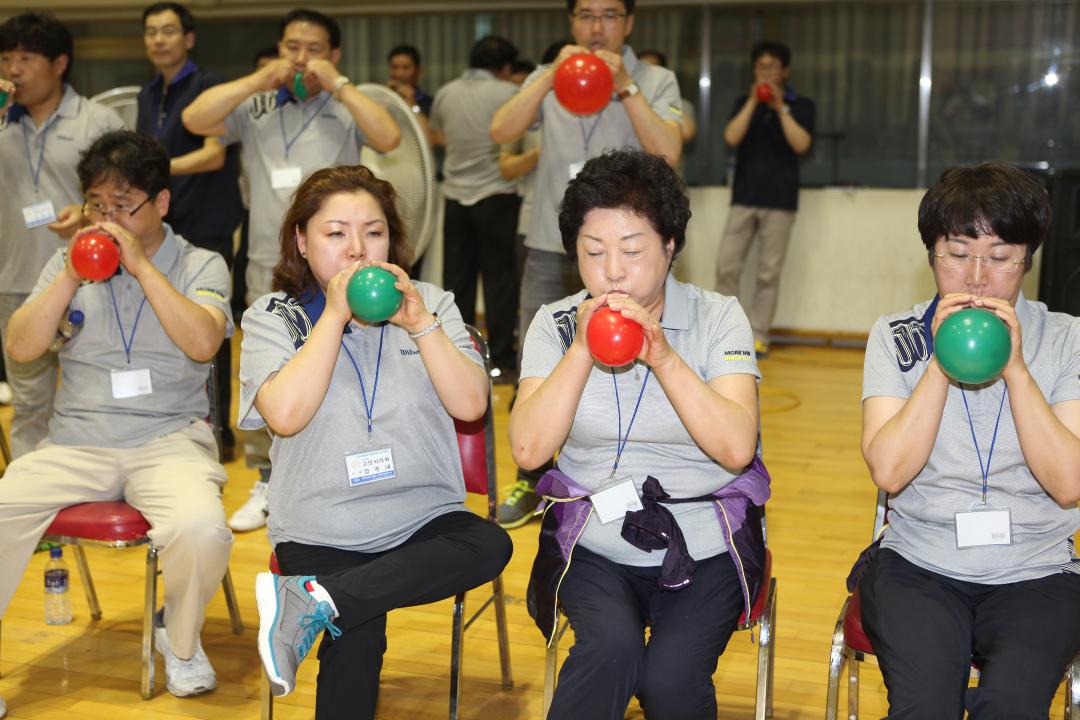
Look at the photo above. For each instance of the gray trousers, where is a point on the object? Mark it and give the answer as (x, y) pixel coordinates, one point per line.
(547, 277)
(773, 230)
(33, 386)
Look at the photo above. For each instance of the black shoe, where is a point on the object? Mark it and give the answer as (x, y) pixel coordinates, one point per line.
(517, 509)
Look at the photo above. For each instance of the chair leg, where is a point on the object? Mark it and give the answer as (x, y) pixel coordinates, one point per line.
(230, 601)
(853, 689)
(149, 611)
(1072, 690)
(770, 672)
(836, 665)
(456, 647)
(88, 581)
(504, 636)
(266, 698)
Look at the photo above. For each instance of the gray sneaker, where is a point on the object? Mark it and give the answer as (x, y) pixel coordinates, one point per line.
(290, 621)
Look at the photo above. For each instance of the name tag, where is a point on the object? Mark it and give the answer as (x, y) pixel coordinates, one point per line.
(286, 178)
(366, 467)
(614, 502)
(39, 214)
(575, 168)
(131, 383)
(976, 528)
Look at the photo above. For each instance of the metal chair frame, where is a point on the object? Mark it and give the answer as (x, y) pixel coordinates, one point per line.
(841, 654)
(459, 624)
(146, 685)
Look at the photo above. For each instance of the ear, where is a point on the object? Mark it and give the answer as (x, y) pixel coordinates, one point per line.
(162, 201)
(669, 249)
(59, 65)
(301, 241)
(189, 41)
(629, 25)
(335, 56)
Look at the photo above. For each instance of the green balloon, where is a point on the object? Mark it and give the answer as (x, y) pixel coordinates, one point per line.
(371, 294)
(3, 97)
(298, 87)
(972, 346)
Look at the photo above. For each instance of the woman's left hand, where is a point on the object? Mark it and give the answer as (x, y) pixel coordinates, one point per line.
(413, 315)
(1007, 312)
(655, 351)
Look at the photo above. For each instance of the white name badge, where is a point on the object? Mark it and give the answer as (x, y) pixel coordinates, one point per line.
(575, 168)
(976, 528)
(39, 214)
(286, 178)
(366, 467)
(131, 383)
(614, 502)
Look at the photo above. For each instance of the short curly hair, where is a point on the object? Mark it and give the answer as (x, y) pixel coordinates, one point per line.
(632, 180)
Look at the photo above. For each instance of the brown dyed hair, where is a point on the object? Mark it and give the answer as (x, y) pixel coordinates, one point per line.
(292, 273)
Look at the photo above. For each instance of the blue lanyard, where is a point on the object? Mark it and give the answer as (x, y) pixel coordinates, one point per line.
(989, 456)
(621, 440)
(35, 172)
(369, 409)
(586, 137)
(126, 340)
(303, 126)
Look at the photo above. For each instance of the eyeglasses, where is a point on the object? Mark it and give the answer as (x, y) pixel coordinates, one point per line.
(169, 31)
(608, 17)
(962, 262)
(105, 211)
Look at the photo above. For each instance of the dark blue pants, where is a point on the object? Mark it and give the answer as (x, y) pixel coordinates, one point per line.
(927, 629)
(450, 554)
(609, 605)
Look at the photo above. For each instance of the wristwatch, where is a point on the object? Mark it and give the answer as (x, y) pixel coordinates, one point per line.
(341, 82)
(629, 91)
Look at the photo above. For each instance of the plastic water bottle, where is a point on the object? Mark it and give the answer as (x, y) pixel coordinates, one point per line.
(57, 599)
(69, 328)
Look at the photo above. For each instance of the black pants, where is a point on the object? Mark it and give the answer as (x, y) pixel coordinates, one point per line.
(481, 238)
(223, 245)
(452, 553)
(927, 629)
(608, 606)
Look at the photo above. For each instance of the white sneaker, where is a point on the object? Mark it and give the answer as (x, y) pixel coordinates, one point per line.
(185, 678)
(252, 514)
(5, 399)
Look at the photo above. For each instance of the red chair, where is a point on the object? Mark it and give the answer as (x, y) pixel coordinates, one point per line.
(116, 524)
(476, 444)
(851, 646)
(762, 615)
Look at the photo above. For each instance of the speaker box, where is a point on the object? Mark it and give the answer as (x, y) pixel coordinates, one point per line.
(1059, 277)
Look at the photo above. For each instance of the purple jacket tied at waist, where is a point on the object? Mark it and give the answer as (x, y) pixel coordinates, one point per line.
(567, 508)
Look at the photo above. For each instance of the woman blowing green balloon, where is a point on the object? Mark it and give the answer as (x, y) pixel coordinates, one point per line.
(366, 491)
(976, 563)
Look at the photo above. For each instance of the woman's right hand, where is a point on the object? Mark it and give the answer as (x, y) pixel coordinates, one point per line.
(585, 310)
(948, 305)
(337, 300)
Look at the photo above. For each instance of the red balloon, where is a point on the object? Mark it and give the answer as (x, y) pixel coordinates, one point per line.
(613, 339)
(583, 84)
(95, 256)
(764, 93)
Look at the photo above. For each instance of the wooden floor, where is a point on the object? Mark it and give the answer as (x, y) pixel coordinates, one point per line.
(819, 519)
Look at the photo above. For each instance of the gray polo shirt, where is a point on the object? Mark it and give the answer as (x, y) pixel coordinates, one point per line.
(711, 333)
(462, 110)
(311, 498)
(922, 527)
(526, 184)
(572, 139)
(85, 411)
(278, 133)
(51, 152)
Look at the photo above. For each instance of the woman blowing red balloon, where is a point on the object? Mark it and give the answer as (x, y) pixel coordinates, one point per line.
(658, 476)
(976, 564)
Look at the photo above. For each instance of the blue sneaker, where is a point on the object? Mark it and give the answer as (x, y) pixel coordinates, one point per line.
(290, 621)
